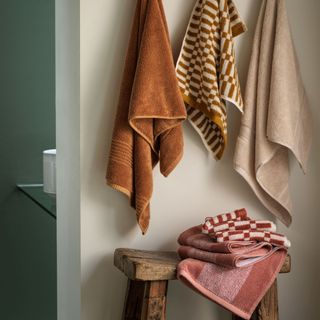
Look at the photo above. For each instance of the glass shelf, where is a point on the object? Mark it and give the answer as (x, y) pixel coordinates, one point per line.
(36, 194)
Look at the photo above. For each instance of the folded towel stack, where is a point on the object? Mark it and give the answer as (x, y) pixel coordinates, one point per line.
(232, 260)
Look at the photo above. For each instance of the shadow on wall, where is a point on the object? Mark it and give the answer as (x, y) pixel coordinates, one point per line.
(105, 92)
(109, 221)
(94, 291)
(124, 217)
(182, 301)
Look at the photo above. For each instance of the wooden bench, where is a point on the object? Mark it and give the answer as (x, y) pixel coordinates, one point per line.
(148, 273)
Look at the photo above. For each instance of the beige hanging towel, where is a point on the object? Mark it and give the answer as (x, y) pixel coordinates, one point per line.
(277, 117)
(148, 125)
(207, 72)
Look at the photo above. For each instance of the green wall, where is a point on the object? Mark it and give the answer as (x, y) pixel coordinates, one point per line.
(27, 126)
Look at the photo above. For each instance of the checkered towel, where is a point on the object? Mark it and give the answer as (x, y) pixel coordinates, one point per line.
(274, 238)
(206, 70)
(262, 225)
(238, 226)
(212, 222)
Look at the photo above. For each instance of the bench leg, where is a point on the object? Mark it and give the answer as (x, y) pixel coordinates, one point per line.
(267, 309)
(133, 301)
(155, 299)
(145, 300)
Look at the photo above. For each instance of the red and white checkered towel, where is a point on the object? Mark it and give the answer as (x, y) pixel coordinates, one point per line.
(238, 226)
(262, 225)
(274, 238)
(211, 222)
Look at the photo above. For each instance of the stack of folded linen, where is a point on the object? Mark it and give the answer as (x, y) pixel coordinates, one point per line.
(232, 260)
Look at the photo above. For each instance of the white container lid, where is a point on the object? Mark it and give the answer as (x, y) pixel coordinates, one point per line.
(50, 152)
(49, 171)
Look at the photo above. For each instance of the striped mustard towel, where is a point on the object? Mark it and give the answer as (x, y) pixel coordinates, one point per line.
(206, 70)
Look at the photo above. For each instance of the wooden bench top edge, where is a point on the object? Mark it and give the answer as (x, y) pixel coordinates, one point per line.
(149, 265)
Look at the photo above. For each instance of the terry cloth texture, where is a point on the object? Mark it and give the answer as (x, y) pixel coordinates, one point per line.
(193, 237)
(273, 238)
(239, 290)
(150, 111)
(211, 222)
(194, 244)
(238, 225)
(207, 72)
(230, 260)
(277, 117)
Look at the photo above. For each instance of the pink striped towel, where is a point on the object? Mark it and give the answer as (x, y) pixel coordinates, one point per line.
(238, 290)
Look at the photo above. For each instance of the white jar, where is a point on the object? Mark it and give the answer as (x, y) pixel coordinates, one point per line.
(49, 171)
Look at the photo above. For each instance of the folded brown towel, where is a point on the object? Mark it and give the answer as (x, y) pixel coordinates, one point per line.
(276, 116)
(150, 111)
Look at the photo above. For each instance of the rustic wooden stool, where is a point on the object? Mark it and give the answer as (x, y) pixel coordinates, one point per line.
(148, 274)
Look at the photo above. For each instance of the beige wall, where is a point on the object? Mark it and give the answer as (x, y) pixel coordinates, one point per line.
(199, 186)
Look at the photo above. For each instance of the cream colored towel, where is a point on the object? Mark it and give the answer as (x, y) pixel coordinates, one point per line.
(277, 116)
(207, 72)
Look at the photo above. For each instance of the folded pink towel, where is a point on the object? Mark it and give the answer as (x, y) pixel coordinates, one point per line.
(194, 237)
(231, 260)
(274, 238)
(210, 222)
(236, 289)
(239, 225)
